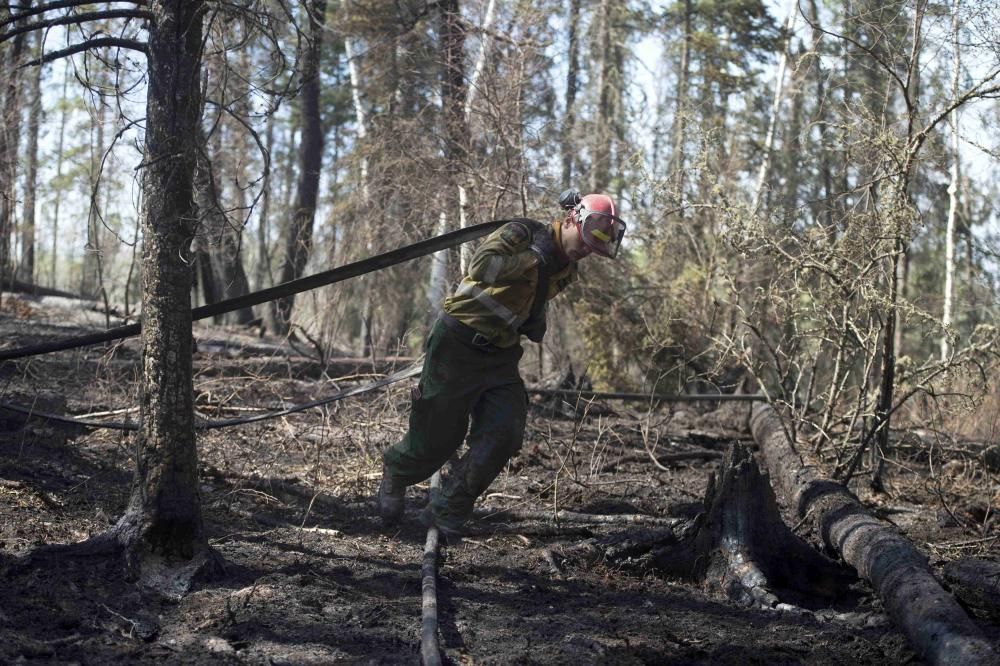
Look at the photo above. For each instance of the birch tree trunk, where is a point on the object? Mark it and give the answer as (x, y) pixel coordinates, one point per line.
(58, 189)
(779, 90)
(361, 134)
(680, 112)
(360, 115)
(465, 251)
(437, 288)
(953, 189)
(821, 123)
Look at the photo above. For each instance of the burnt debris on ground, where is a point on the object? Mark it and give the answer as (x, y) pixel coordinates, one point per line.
(309, 575)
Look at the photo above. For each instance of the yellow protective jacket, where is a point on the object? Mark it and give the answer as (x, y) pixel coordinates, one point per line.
(496, 296)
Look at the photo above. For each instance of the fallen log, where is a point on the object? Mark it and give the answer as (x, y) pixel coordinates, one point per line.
(934, 623)
(430, 649)
(20, 286)
(660, 460)
(563, 516)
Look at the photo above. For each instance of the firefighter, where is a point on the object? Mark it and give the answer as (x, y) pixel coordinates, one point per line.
(472, 353)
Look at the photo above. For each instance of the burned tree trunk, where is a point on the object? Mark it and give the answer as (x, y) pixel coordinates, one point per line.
(932, 620)
(163, 520)
(10, 133)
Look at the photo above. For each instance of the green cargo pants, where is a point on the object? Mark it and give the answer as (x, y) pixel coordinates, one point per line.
(459, 381)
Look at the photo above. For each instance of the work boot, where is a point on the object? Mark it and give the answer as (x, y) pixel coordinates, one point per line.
(451, 532)
(390, 496)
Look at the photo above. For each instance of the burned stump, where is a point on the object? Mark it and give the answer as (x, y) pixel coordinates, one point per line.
(746, 551)
(739, 546)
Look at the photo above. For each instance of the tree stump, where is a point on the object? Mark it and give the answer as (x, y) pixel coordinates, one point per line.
(745, 551)
(738, 547)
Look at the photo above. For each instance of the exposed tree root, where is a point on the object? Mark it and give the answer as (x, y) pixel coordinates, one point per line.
(172, 578)
(932, 620)
(168, 576)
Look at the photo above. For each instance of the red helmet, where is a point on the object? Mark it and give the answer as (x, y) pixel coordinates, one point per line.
(600, 227)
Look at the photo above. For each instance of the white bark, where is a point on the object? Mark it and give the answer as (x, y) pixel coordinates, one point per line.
(779, 91)
(465, 253)
(949, 242)
(361, 118)
(439, 270)
(58, 193)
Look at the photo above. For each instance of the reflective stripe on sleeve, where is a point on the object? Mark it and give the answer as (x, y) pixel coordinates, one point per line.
(494, 306)
(493, 268)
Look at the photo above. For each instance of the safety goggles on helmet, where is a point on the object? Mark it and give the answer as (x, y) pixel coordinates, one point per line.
(601, 232)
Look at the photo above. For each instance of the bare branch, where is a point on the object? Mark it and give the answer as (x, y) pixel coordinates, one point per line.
(100, 42)
(62, 4)
(976, 92)
(869, 51)
(72, 19)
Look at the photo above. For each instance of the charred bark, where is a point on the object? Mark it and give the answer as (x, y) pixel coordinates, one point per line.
(932, 620)
(738, 547)
(744, 549)
(163, 520)
(204, 276)
(977, 584)
(10, 128)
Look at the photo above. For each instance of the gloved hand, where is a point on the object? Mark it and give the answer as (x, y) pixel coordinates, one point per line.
(535, 328)
(545, 248)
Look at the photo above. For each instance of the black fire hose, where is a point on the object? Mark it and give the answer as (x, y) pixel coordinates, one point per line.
(371, 264)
